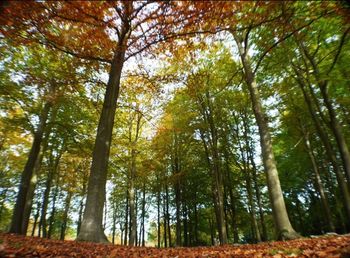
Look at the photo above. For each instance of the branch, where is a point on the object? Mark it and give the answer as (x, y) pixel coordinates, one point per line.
(283, 39)
(341, 44)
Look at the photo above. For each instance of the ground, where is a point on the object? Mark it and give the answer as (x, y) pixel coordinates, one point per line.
(19, 246)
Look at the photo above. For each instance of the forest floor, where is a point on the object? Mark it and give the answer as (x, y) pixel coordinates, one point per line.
(20, 246)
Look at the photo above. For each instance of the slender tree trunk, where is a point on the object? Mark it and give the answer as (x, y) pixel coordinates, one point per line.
(36, 216)
(133, 225)
(53, 209)
(33, 181)
(158, 215)
(165, 231)
(319, 185)
(300, 216)
(24, 187)
(29, 199)
(143, 213)
(283, 226)
(167, 213)
(81, 205)
(121, 232)
(45, 202)
(232, 199)
(196, 232)
(333, 123)
(3, 199)
(185, 223)
(80, 216)
(91, 226)
(177, 188)
(255, 226)
(65, 216)
(114, 218)
(218, 186)
(126, 219)
(190, 228)
(105, 215)
(337, 130)
(212, 233)
(327, 145)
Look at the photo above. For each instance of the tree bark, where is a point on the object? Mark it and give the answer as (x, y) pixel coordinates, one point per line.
(33, 181)
(143, 214)
(337, 130)
(177, 187)
(283, 226)
(327, 145)
(53, 213)
(247, 173)
(206, 110)
(333, 123)
(158, 213)
(91, 226)
(52, 171)
(36, 216)
(231, 198)
(24, 187)
(126, 222)
(167, 213)
(318, 182)
(65, 216)
(165, 231)
(258, 195)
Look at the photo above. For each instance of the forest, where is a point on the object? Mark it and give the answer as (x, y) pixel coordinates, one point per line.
(174, 123)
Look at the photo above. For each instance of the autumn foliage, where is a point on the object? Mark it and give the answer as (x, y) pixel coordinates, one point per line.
(20, 246)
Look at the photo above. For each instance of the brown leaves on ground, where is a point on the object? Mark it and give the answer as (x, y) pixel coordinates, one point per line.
(19, 246)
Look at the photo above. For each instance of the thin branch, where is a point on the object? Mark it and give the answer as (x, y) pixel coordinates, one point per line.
(341, 44)
(283, 39)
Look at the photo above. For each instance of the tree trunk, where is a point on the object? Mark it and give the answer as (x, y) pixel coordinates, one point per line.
(105, 209)
(126, 234)
(327, 145)
(333, 123)
(318, 182)
(81, 205)
(91, 226)
(143, 214)
(80, 216)
(132, 207)
(231, 198)
(53, 209)
(65, 216)
(177, 188)
(165, 231)
(3, 199)
(196, 232)
(255, 226)
(24, 187)
(249, 187)
(114, 221)
(206, 110)
(52, 215)
(33, 181)
(185, 222)
(52, 171)
(167, 213)
(158, 214)
(258, 195)
(283, 226)
(337, 130)
(36, 216)
(212, 233)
